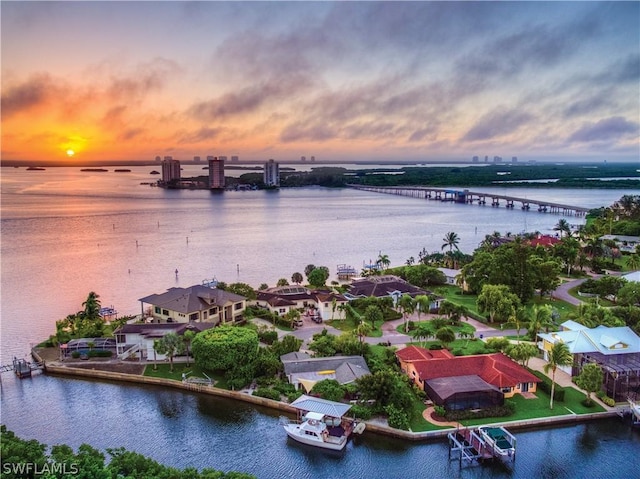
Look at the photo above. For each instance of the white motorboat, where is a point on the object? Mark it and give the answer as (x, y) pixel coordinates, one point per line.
(316, 429)
(321, 423)
(501, 441)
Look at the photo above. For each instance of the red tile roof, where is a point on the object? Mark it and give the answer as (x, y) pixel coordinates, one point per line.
(413, 353)
(496, 369)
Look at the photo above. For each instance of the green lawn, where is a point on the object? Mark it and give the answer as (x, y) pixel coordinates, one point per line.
(601, 301)
(347, 327)
(454, 295)
(192, 371)
(539, 407)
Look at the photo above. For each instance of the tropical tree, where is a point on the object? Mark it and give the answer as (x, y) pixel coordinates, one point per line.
(407, 306)
(187, 337)
(318, 277)
(282, 282)
(92, 306)
(522, 352)
(422, 304)
(518, 320)
(451, 241)
(363, 329)
(558, 355)
(170, 344)
(497, 302)
(446, 336)
(423, 331)
(563, 227)
(383, 261)
(590, 379)
(297, 278)
(373, 314)
(541, 317)
(308, 269)
(633, 261)
(410, 261)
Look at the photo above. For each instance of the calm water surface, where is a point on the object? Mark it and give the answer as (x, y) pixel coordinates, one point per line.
(66, 232)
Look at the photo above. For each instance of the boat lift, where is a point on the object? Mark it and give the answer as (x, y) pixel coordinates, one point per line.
(471, 448)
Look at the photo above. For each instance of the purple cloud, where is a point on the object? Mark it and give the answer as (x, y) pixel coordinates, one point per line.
(605, 130)
(497, 123)
(31, 93)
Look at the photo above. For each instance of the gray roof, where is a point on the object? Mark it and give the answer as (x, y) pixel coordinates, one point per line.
(294, 356)
(347, 368)
(322, 406)
(159, 330)
(447, 387)
(190, 300)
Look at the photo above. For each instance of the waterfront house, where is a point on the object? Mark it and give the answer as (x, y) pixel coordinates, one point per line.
(282, 299)
(623, 242)
(389, 285)
(450, 275)
(136, 340)
(615, 350)
(194, 304)
(464, 382)
(303, 370)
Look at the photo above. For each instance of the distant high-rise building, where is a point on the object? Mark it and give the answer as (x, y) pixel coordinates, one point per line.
(234, 159)
(222, 158)
(486, 159)
(158, 159)
(216, 172)
(196, 159)
(271, 175)
(475, 159)
(303, 158)
(514, 159)
(170, 169)
(497, 159)
(313, 158)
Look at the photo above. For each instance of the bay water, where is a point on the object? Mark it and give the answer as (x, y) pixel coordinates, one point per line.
(67, 232)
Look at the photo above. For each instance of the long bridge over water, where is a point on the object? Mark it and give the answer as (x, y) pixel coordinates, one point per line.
(469, 197)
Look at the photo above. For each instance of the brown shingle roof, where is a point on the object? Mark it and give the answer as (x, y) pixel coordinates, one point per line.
(192, 299)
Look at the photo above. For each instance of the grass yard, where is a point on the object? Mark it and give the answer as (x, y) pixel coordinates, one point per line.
(539, 408)
(347, 327)
(192, 371)
(454, 295)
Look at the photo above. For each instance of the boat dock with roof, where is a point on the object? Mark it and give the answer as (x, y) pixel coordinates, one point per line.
(473, 446)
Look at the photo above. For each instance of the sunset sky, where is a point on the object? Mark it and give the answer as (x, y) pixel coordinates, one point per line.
(99, 81)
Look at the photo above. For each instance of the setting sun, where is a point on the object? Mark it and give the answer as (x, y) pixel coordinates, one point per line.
(70, 152)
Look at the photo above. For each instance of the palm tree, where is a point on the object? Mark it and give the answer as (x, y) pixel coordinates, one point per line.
(297, 278)
(423, 332)
(521, 317)
(451, 240)
(563, 226)
(422, 304)
(558, 355)
(362, 330)
(540, 318)
(633, 261)
(187, 337)
(383, 261)
(92, 306)
(407, 304)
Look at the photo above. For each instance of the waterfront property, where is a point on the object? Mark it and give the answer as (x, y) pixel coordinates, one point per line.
(303, 370)
(196, 303)
(320, 423)
(615, 350)
(138, 339)
(282, 299)
(464, 382)
(388, 285)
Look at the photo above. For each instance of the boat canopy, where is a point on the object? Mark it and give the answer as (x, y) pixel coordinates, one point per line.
(322, 406)
(318, 416)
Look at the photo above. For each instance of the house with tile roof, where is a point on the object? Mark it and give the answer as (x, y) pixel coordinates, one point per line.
(197, 303)
(138, 338)
(388, 285)
(616, 350)
(464, 382)
(303, 370)
(282, 299)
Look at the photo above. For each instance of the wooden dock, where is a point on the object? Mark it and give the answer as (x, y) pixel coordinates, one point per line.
(470, 197)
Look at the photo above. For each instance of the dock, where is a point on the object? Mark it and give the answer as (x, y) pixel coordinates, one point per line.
(346, 272)
(468, 447)
(470, 197)
(21, 367)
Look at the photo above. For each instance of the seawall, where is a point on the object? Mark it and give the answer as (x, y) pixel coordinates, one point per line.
(372, 426)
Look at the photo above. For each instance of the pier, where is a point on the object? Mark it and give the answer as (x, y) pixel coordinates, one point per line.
(468, 447)
(470, 197)
(21, 367)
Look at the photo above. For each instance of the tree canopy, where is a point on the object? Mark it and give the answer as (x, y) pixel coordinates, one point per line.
(225, 347)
